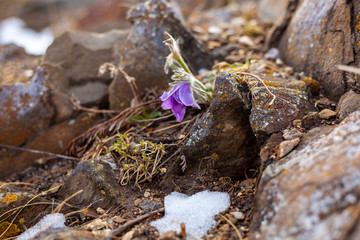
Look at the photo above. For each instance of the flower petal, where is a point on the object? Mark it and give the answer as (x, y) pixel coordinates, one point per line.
(166, 95)
(186, 95)
(179, 111)
(195, 105)
(168, 103)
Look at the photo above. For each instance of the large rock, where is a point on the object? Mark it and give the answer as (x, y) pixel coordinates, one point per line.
(35, 116)
(53, 139)
(24, 109)
(96, 181)
(267, 118)
(349, 102)
(321, 35)
(73, 61)
(223, 137)
(313, 193)
(142, 55)
(273, 11)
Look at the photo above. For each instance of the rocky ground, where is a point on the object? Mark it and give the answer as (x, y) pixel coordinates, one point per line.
(281, 135)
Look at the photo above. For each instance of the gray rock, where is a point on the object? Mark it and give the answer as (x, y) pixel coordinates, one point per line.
(98, 184)
(266, 119)
(312, 119)
(318, 43)
(150, 205)
(349, 102)
(73, 61)
(273, 11)
(24, 109)
(223, 137)
(142, 55)
(313, 193)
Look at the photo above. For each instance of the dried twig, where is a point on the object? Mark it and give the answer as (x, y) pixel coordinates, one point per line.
(39, 152)
(273, 96)
(133, 222)
(22, 207)
(349, 69)
(77, 106)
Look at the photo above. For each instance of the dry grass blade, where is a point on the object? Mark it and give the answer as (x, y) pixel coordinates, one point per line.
(79, 145)
(272, 95)
(22, 207)
(233, 226)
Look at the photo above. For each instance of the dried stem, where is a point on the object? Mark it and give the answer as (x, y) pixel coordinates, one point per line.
(268, 90)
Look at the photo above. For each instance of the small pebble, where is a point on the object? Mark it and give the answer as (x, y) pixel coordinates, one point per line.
(292, 133)
(327, 114)
(238, 215)
(119, 219)
(273, 53)
(279, 61)
(147, 194)
(286, 146)
(297, 123)
(100, 210)
(289, 70)
(244, 229)
(137, 202)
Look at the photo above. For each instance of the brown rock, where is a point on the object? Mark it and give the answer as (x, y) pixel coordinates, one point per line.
(311, 120)
(349, 102)
(327, 114)
(96, 181)
(53, 139)
(227, 122)
(268, 148)
(286, 146)
(313, 193)
(318, 43)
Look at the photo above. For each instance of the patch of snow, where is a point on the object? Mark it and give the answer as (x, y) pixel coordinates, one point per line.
(196, 212)
(55, 220)
(12, 30)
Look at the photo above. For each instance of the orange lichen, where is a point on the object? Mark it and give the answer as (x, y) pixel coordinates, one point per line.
(10, 198)
(223, 96)
(215, 156)
(358, 24)
(21, 220)
(12, 231)
(313, 85)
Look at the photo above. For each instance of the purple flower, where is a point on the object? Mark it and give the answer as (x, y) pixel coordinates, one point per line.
(178, 98)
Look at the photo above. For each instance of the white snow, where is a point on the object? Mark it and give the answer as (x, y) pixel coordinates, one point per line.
(55, 220)
(12, 30)
(197, 212)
